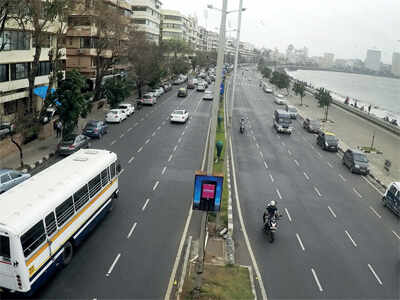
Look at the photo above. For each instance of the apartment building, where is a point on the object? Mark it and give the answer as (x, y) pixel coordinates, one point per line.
(82, 41)
(202, 38)
(173, 25)
(212, 41)
(147, 17)
(15, 61)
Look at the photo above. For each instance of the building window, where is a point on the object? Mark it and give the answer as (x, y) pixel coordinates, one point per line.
(4, 76)
(85, 43)
(15, 40)
(10, 107)
(45, 41)
(169, 17)
(19, 71)
(139, 8)
(78, 21)
(44, 68)
(139, 21)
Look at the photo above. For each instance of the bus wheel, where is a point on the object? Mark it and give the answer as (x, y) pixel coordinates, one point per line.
(68, 253)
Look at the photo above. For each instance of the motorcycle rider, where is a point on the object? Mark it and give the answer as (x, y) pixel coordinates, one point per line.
(270, 211)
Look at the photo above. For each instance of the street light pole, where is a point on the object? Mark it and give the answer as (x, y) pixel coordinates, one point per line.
(236, 61)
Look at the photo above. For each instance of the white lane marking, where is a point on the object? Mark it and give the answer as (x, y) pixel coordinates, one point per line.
(296, 162)
(283, 144)
(287, 212)
(156, 185)
(129, 129)
(153, 134)
(159, 127)
(371, 184)
(290, 153)
(113, 142)
(272, 178)
(306, 176)
(246, 237)
(333, 214)
(265, 164)
(357, 193)
(254, 137)
(337, 153)
(113, 265)
(131, 159)
(304, 138)
(341, 176)
(278, 136)
(121, 136)
(279, 194)
(183, 133)
(394, 232)
(257, 145)
(351, 239)
(147, 141)
(180, 140)
(142, 119)
(376, 275)
(317, 191)
(329, 164)
(136, 124)
(317, 280)
(131, 231)
(163, 170)
(312, 146)
(140, 149)
(176, 147)
(145, 205)
(319, 154)
(170, 158)
(122, 171)
(163, 123)
(300, 242)
(375, 212)
(262, 155)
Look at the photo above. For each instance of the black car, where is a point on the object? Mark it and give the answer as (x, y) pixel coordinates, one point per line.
(73, 143)
(313, 126)
(182, 92)
(95, 129)
(356, 161)
(328, 141)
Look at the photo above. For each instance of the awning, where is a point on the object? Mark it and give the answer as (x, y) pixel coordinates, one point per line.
(41, 91)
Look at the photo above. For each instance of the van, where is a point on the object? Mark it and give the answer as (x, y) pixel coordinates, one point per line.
(282, 121)
(391, 198)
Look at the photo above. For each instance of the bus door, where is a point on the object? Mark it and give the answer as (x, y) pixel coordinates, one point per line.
(7, 270)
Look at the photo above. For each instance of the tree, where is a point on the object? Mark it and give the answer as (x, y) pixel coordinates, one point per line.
(324, 99)
(299, 89)
(175, 52)
(281, 80)
(69, 100)
(116, 91)
(4, 16)
(266, 72)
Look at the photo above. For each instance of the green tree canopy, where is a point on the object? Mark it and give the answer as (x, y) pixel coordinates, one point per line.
(299, 89)
(117, 91)
(324, 99)
(280, 79)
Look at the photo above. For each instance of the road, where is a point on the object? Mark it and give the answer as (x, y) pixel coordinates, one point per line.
(131, 253)
(335, 239)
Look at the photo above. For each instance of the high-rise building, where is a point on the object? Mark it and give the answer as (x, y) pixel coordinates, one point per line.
(396, 64)
(373, 60)
(327, 60)
(147, 17)
(173, 25)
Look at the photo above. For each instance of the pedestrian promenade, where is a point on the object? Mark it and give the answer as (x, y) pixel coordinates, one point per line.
(354, 131)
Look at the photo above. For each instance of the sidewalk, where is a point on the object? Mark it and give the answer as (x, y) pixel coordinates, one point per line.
(354, 132)
(39, 150)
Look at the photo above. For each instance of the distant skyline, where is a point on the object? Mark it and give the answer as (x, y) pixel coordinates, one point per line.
(346, 28)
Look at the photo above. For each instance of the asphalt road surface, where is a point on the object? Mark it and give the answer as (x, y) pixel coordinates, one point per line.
(335, 239)
(131, 252)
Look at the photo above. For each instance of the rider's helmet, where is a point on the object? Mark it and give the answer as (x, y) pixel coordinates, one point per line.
(272, 203)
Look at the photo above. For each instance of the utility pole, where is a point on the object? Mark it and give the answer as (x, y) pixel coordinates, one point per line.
(211, 145)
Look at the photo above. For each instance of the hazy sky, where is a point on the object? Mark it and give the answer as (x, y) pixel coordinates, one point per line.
(346, 28)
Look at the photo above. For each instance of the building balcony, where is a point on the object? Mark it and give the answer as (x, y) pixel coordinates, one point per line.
(87, 52)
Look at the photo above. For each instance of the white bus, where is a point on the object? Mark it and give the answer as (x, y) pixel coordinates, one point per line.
(46, 216)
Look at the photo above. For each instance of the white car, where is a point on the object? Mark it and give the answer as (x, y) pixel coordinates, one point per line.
(179, 115)
(128, 108)
(195, 81)
(201, 87)
(115, 116)
(208, 95)
(149, 98)
(280, 100)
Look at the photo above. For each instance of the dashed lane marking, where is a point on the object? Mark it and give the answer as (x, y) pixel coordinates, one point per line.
(156, 185)
(296, 162)
(170, 158)
(306, 176)
(357, 193)
(317, 191)
(145, 204)
(317, 280)
(333, 214)
(300, 242)
(376, 275)
(341, 176)
(147, 141)
(279, 194)
(113, 142)
(131, 231)
(131, 159)
(375, 212)
(163, 170)
(113, 265)
(289, 217)
(140, 149)
(272, 178)
(350, 238)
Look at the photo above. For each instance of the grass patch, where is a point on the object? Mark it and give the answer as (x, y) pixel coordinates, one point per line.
(221, 282)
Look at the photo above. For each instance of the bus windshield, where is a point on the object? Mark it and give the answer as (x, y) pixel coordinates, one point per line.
(4, 248)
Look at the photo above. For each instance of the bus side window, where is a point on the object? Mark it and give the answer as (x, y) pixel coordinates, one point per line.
(33, 238)
(112, 170)
(5, 248)
(105, 177)
(64, 211)
(81, 197)
(51, 225)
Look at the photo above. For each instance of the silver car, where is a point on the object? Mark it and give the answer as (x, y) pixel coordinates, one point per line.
(10, 178)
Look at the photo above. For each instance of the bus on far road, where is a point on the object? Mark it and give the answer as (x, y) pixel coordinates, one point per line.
(44, 218)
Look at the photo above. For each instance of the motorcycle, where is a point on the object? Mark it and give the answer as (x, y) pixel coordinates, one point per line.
(139, 104)
(270, 227)
(242, 126)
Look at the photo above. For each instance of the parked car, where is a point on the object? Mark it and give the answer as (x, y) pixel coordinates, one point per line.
(201, 87)
(191, 85)
(292, 111)
(391, 198)
(5, 129)
(115, 116)
(73, 143)
(313, 126)
(195, 81)
(177, 81)
(167, 87)
(149, 99)
(95, 129)
(182, 92)
(128, 108)
(267, 89)
(161, 90)
(328, 141)
(280, 99)
(156, 92)
(10, 178)
(356, 161)
(208, 95)
(179, 115)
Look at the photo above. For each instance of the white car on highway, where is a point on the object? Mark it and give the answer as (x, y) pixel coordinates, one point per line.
(179, 115)
(280, 99)
(128, 108)
(115, 116)
(208, 95)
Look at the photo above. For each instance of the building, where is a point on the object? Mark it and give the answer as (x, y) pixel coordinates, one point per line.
(327, 60)
(173, 25)
(147, 17)
(396, 64)
(373, 60)
(81, 37)
(202, 38)
(15, 60)
(212, 41)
